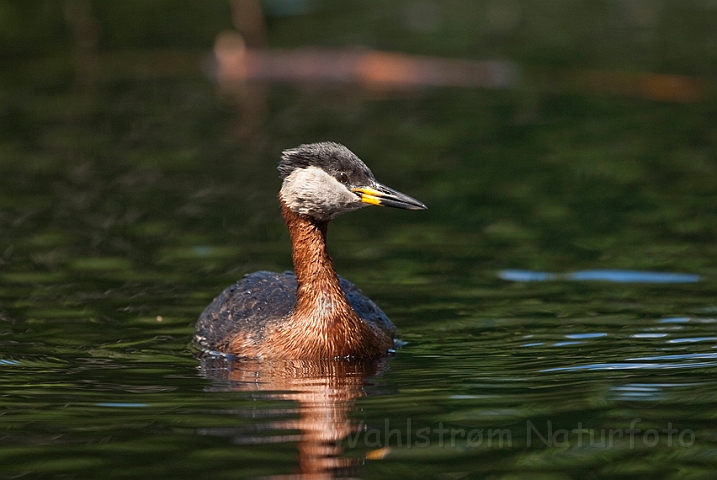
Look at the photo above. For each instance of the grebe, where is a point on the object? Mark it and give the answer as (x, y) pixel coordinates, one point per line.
(314, 314)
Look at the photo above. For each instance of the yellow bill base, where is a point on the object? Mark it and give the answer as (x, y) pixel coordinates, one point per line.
(369, 195)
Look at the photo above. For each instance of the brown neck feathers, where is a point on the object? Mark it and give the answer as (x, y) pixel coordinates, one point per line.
(318, 290)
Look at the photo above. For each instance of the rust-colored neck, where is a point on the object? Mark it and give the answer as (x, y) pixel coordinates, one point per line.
(322, 323)
(318, 292)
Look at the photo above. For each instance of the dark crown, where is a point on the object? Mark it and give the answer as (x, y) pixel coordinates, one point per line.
(333, 158)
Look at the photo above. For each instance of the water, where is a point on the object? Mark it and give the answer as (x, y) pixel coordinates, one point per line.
(556, 303)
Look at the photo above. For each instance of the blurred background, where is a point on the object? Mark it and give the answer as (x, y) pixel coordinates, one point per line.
(116, 115)
(138, 150)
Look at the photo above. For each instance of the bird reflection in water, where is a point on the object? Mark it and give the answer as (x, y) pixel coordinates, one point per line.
(325, 391)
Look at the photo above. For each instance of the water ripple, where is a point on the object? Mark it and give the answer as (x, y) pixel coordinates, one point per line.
(585, 335)
(618, 276)
(629, 366)
(692, 340)
(686, 356)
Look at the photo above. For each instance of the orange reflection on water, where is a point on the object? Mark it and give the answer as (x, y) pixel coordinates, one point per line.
(325, 392)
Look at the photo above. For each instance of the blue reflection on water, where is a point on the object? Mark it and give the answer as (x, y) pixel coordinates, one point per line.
(647, 391)
(585, 335)
(692, 340)
(689, 356)
(630, 366)
(526, 276)
(122, 405)
(643, 365)
(619, 276)
(636, 391)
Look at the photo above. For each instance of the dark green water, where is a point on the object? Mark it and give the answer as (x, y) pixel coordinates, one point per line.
(126, 208)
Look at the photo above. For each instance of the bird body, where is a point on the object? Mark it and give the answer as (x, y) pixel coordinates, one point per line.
(313, 314)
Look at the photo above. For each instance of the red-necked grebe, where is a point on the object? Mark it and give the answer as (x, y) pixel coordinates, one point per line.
(314, 314)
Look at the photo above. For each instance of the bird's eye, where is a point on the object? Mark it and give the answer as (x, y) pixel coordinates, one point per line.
(343, 178)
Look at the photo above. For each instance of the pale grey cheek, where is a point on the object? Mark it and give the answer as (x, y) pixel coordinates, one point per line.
(312, 192)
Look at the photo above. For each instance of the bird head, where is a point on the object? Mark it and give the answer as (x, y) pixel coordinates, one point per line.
(324, 180)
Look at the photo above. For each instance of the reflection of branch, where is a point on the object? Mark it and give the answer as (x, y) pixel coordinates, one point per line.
(234, 64)
(325, 392)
